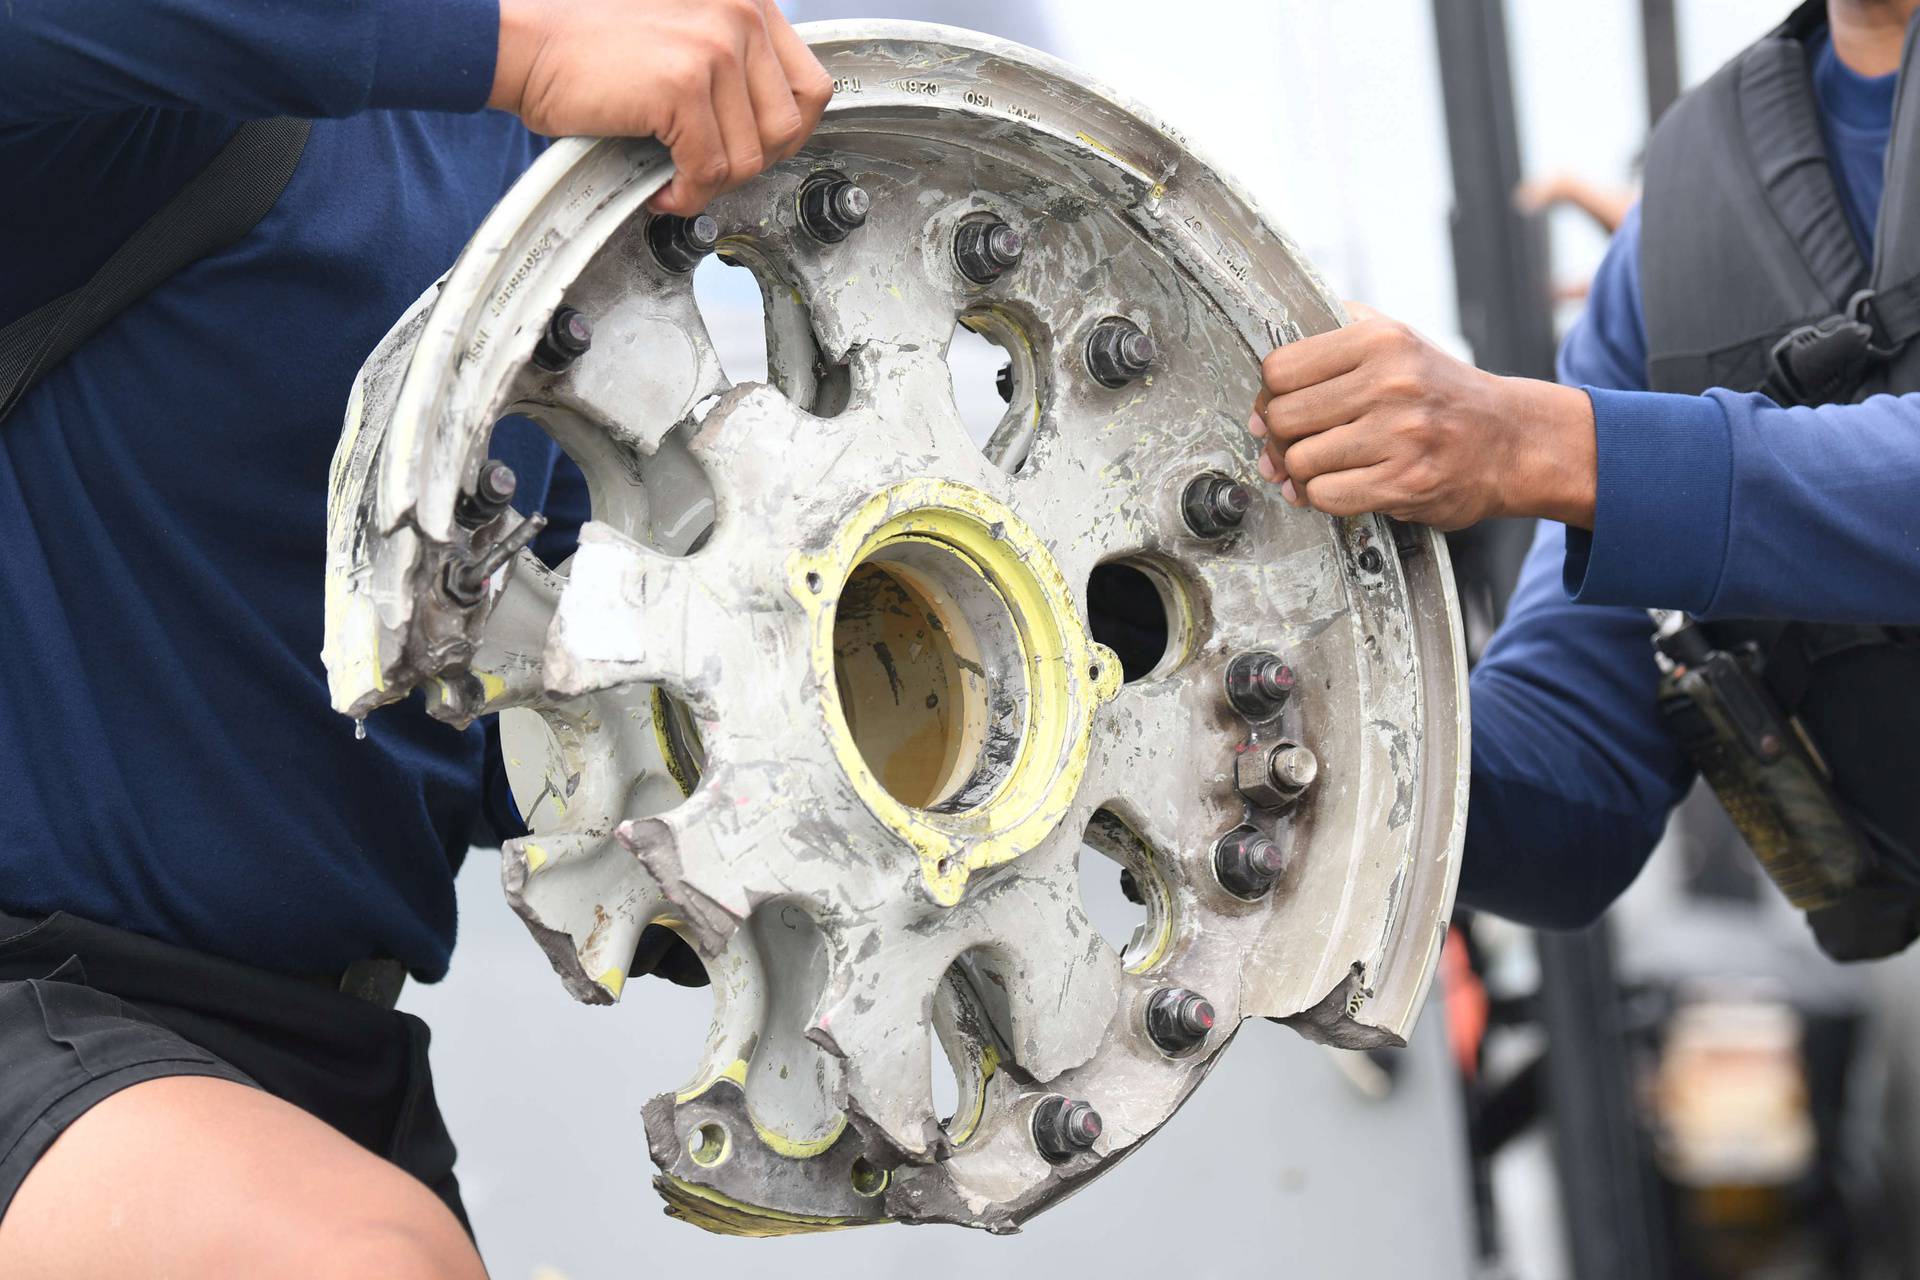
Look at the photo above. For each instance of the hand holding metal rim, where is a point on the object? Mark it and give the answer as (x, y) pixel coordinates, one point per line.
(821, 689)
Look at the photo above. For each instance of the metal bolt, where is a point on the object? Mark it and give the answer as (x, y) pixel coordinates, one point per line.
(1274, 777)
(1118, 352)
(1258, 684)
(1247, 863)
(567, 337)
(1293, 767)
(986, 249)
(1178, 1019)
(493, 490)
(1063, 1128)
(678, 243)
(1215, 505)
(1371, 561)
(832, 207)
(466, 580)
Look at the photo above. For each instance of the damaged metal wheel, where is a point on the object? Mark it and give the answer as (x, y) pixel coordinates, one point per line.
(843, 695)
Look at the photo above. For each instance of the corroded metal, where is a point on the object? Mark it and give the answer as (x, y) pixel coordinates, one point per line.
(821, 688)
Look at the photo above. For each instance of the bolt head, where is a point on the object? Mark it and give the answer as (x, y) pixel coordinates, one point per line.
(1294, 767)
(1232, 501)
(1004, 245)
(703, 233)
(1266, 858)
(1137, 351)
(1178, 1019)
(852, 203)
(1064, 1127)
(1247, 862)
(496, 484)
(1212, 504)
(569, 332)
(1275, 677)
(1258, 684)
(1083, 1125)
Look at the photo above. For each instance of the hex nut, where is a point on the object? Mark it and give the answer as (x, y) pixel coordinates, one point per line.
(984, 249)
(1214, 505)
(1247, 862)
(1275, 776)
(1065, 1127)
(679, 244)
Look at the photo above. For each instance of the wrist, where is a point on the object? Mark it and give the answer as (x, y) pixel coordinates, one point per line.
(519, 38)
(1553, 470)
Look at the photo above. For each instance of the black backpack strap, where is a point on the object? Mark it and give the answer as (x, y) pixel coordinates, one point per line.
(1863, 347)
(217, 206)
(1742, 205)
(1781, 120)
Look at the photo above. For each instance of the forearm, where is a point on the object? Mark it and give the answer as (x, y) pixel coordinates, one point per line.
(63, 59)
(1549, 471)
(1729, 505)
(1573, 769)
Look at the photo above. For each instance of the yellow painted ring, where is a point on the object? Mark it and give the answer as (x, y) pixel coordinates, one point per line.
(1068, 674)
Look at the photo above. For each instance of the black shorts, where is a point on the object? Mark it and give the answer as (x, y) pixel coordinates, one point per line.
(87, 1010)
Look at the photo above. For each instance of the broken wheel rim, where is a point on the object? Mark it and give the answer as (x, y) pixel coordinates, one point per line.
(821, 689)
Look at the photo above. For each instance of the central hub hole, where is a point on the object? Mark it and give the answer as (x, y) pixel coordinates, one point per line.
(928, 668)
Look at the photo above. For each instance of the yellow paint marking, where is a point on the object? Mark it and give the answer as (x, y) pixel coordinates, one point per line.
(1068, 676)
(989, 1065)
(721, 1213)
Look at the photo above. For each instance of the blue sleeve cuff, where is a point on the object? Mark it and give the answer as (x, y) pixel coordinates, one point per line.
(435, 55)
(1662, 504)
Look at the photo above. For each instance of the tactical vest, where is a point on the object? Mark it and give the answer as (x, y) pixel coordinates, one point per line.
(1753, 280)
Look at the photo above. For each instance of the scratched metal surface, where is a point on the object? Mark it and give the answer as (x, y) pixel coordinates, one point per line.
(847, 936)
(1278, 1167)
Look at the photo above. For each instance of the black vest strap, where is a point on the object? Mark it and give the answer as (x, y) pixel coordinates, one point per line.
(218, 205)
(1742, 208)
(1781, 122)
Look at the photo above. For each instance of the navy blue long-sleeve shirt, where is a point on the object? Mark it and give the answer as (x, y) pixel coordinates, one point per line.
(168, 759)
(1723, 505)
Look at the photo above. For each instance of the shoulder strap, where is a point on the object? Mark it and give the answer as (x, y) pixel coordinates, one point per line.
(1781, 120)
(1868, 346)
(1741, 207)
(218, 205)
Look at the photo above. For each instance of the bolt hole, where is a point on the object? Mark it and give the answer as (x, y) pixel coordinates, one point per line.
(868, 1179)
(708, 1144)
(729, 298)
(995, 390)
(944, 1081)
(1120, 891)
(1131, 610)
(1093, 672)
(814, 583)
(1371, 561)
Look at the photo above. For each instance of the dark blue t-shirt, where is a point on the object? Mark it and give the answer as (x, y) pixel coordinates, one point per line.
(168, 759)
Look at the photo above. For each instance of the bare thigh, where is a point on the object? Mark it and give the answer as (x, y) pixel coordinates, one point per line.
(192, 1176)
